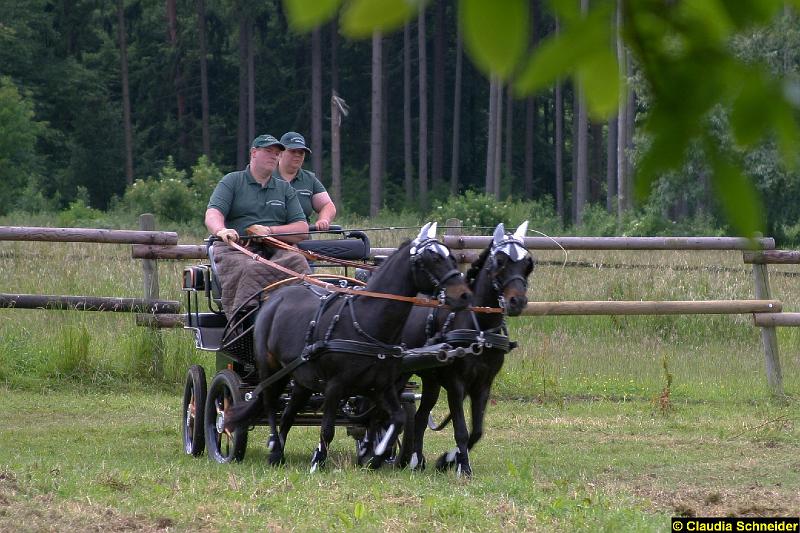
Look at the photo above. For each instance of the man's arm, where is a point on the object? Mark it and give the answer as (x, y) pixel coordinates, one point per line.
(215, 222)
(326, 211)
(300, 228)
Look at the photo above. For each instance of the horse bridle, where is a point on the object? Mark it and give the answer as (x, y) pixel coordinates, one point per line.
(418, 266)
(498, 284)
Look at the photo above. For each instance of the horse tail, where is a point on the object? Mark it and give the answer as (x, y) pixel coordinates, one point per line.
(432, 423)
(240, 414)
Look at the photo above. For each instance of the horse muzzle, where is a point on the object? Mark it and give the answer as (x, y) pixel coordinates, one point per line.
(515, 304)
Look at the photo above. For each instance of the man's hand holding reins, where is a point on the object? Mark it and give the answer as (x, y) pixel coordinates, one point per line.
(228, 235)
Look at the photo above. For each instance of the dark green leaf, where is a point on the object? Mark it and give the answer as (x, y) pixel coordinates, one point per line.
(361, 18)
(750, 114)
(495, 33)
(600, 81)
(307, 14)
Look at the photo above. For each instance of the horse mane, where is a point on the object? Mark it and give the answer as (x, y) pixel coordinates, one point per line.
(477, 266)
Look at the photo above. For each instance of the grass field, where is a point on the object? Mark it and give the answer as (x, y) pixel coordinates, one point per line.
(598, 423)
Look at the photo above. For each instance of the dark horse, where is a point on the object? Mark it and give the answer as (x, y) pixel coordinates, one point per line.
(499, 277)
(344, 345)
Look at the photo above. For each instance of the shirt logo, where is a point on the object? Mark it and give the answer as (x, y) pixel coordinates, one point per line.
(275, 202)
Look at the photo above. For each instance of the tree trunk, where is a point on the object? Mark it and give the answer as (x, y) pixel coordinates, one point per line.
(408, 164)
(439, 71)
(622, 122)
(491, 131)
(507, 153)
(558, 141)
(316, 102)
(375, 141)
(423, 108)
(611, 165)
(336, 168)
(241, 130)
(201, 38)
(454, 163)
(177, 78)
(498, 139)
(530, 134)
(335, 56)
(251, 84)
(582, 165)
(126, 95)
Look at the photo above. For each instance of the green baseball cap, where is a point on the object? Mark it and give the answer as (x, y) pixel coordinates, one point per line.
(293, 140)
(264, 141)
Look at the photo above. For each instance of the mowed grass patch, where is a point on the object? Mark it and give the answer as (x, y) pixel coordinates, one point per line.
(86, 460)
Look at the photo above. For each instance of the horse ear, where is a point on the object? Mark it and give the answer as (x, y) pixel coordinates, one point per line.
(432, 230)
(522, 230)
(499, 234)
(423, 233)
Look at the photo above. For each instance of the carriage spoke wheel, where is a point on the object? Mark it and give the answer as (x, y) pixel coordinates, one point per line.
(194, 399)
(223, 446)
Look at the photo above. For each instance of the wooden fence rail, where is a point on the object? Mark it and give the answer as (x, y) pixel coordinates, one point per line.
(151, 245)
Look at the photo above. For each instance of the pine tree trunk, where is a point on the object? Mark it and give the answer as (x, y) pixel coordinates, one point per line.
(507, 153)
(316, 102)
(375, 148)
(177, 75)
(455, 162)
(201, 38)
(335, 56)
(582, 165)
(498, 139)
(241, 130)
(439, 71)
(491, 131)
(423, 108)
(558, 141)
(408, 164)
(126, 95)
(611, 165)
(251, 84)
(622, 122)
(530, 133)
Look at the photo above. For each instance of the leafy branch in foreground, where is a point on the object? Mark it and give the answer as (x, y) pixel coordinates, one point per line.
(683, 53)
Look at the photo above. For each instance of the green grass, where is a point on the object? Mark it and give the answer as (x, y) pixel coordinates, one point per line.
(584, 433)
(89, 457)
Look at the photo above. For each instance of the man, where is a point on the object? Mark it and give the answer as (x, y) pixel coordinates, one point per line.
(252, 201)
(310, 191)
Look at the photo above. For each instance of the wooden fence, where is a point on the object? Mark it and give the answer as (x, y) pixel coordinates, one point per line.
(150, 245)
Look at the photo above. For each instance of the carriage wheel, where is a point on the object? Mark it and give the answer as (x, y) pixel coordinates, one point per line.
(223, 446)
(194, 401)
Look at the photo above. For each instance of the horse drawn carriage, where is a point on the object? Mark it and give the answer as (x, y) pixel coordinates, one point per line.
(337, 340)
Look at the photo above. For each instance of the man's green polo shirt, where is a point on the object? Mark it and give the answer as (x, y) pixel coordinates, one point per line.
(307, 185)
(244, 202)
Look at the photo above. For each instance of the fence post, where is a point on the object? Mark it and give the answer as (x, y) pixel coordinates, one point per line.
(147, 222)
(453, 227)
(769, 336)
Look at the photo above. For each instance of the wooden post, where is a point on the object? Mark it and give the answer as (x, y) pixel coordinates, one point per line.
(147, 222)
(769, 337)
(453, 227)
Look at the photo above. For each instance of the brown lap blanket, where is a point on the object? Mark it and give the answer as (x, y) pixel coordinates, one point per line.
(241, 277)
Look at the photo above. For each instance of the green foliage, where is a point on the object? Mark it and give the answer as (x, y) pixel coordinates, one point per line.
(171, 195)
(79, 213)
(18, 134)
(476, 210)
(361, 17)
(496, 35)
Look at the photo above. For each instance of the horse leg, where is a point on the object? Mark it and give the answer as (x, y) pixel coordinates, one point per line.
(458, 457)
(479, 400)
(390, 402)
(430, 395)
(327, 426)
(297, 399)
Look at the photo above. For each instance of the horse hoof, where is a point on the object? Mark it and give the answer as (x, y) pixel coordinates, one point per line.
(447, 460)
(375, 462)
(276, 458)
(317, 461)
(417, 461)
(464, 471)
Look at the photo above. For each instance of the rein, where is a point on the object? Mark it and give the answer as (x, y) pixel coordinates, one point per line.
(308, 254)
(422, 302)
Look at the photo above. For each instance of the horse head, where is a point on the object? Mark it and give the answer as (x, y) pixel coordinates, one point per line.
(435, 271)
(510, 264)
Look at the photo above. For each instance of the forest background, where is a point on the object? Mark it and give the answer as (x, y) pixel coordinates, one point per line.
(109, 109)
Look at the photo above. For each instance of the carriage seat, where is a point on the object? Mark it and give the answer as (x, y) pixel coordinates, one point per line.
(355, 246)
